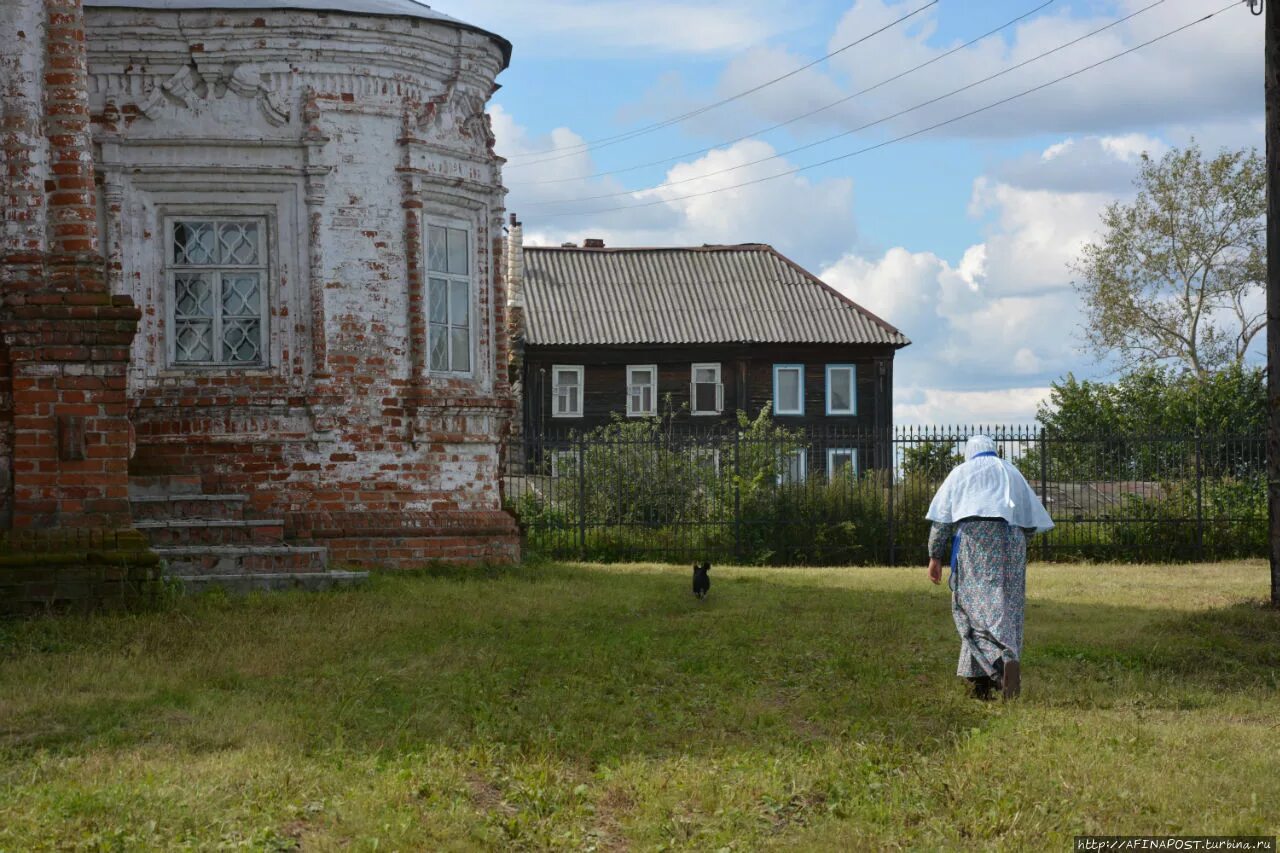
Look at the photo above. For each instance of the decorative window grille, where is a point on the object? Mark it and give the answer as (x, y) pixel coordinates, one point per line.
(706, 392)
(449, 299)
(217, 276)
(642, 389)
(566, 391)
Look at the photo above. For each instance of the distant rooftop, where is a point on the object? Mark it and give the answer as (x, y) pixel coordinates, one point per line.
(384, 8)
(748, 293)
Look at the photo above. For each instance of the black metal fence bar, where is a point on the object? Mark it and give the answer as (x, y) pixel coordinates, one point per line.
(644, 491)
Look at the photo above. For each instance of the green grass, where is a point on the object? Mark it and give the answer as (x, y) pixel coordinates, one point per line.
(582, 707)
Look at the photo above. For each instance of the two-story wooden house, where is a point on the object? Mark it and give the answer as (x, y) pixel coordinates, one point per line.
(701, 332)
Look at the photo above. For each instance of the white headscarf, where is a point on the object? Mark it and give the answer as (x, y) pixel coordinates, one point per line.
(987, 486)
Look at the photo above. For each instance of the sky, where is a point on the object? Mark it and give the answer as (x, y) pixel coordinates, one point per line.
(960, 234)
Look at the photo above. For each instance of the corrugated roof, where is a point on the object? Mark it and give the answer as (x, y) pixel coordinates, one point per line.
(711, 294)
(386, 8)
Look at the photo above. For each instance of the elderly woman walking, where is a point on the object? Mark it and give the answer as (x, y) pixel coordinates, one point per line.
(982, 515)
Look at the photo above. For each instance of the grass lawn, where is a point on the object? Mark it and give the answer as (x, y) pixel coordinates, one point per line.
(588, 707)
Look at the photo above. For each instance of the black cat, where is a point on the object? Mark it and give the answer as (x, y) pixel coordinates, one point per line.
(701, 582)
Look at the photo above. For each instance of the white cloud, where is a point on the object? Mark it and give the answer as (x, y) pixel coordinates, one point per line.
(1211, 72)
(767, 212)
(929, 406)
(605, 28)
(1098, 164)
(990, 332)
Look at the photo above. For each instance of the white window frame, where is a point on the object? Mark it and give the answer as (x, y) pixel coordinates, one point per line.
(706, 454)
(853, 389)
(450, 277)
(556, 370)
(632, 411)
(833, 452)
(560, 459)
(777, 369)
(216, 271)
(783, 468)
(693, 388)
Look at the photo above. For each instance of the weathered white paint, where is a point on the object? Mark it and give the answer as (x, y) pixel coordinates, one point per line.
(22, 197)
(348, 133)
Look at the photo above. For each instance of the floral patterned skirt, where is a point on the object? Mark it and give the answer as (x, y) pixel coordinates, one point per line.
(989, 587)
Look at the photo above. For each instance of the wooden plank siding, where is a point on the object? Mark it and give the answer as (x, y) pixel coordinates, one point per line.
(746, 372)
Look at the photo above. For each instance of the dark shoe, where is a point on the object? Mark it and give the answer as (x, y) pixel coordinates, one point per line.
(982, 688)
(1011, 680)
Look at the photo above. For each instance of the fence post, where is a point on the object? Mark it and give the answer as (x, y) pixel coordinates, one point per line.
(1199, 500)
(888, 450)
(737, 496)
(582, 496)
(1044, 488)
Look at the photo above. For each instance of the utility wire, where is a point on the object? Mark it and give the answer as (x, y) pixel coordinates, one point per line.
(906, 136)
(870, 124)
(801, 117)
(606, 141)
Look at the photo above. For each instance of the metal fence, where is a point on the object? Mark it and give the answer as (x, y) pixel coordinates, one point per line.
(766, 494)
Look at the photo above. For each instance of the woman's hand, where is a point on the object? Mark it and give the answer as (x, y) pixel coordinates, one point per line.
(935, 570)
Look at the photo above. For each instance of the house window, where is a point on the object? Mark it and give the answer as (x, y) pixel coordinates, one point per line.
(564, 463)
(788, 389)
(217, 278)
(842, 462)
(566, 391)
(791, 467)
(841, 389)
(706, 393)
(642, 390)
(705, 458)
(448, 299)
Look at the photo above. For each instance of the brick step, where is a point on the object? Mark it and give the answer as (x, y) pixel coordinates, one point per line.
(212, 531)
(265, 581)
(164, 485)
(156, 507)
(200, 560)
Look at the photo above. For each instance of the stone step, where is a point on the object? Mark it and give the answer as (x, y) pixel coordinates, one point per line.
(212, 531)
(163, 485)
(264, 581)
(157, 507)
(200, 560)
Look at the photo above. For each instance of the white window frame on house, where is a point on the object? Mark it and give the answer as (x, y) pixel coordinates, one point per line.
(784, 467)
(451, 297)
(224, 272)
(835, 452)
(713, 366)
(777, 370)
(702, 455)
(577, 370)
(564, 463)
(635, 390)
(853, 389)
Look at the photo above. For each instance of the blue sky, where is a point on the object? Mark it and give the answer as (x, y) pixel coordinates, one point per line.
(960, 236)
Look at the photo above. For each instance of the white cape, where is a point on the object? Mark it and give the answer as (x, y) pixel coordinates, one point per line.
(988, 487)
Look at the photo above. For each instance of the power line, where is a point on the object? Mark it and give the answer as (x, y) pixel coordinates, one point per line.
(780, 154)
(905, 136)
(606, 141)
(801, 117)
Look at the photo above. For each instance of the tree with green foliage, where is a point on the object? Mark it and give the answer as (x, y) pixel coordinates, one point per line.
(930, 460)
(1145, 424)
(1176, 277)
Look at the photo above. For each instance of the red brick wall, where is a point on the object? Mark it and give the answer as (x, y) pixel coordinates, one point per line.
(65, 338)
